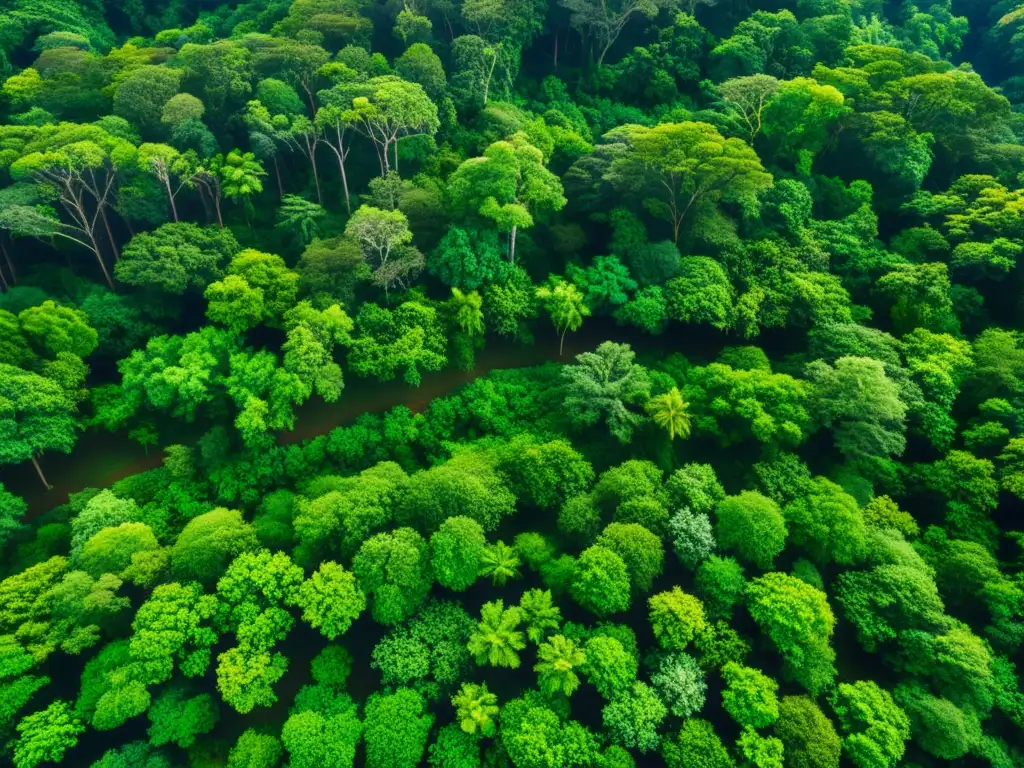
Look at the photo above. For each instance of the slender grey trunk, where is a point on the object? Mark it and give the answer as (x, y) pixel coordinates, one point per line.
(316, 174)
(39, 471)
(10, 263)
(99, 258)
(344, 177)
(490, 74)
(170, 197)
(277, 173)
(110, 234)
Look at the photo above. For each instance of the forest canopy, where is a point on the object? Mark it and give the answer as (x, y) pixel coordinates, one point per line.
(503, 384)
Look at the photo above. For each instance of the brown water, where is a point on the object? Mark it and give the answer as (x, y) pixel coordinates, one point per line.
(100, 459)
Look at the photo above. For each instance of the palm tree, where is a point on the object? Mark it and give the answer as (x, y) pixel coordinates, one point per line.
(670, 412)
(564, 302)
(540, 613)
(497, 640)
(500, 563)
(559, 656)
(468, 313)
(475, 708)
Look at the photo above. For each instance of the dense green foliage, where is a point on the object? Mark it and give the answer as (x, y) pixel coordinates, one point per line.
(760, 511)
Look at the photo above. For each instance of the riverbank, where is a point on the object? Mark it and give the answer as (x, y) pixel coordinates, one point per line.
(100, 459)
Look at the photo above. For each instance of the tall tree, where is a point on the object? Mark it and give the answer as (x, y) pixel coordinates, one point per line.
(604, 385)
(605, 21)
(36, 415)
(748, 97)
(508, 186)
(385, 237)
(875, 729)
(397, 728)
(333, 122)
(241, 177)
(404, 340)
(392, 110)
(268, 133)
(46, 736)
(304, 136)
(170, 169)
(177, 257)
(474, 62)
(331, 600)
(799, 621)
(675, 166)
(862, 403)
(469, 316)
(206, 178)
(565, 304)
(81, 176)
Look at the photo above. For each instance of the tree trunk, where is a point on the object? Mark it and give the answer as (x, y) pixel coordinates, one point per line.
(561, 340)
(396, 155)
(316, 175)
(309, 95)
(487, 82)
(170, 197)
(3, 282)
(277, 173)
(512, 245)
(39, 471)
(99, 258)
(207, 207)
(10, 264)
(216, 207)
(344, 178)
(110, 233)
(556, 51)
